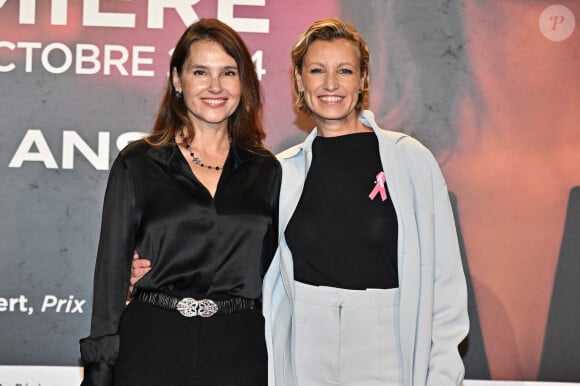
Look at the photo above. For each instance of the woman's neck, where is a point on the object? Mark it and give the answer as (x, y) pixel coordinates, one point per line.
(335, 128)
(208, 139)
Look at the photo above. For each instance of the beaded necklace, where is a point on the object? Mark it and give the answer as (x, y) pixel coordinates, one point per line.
(194, 158)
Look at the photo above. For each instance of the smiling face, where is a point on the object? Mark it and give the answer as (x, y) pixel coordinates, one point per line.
(210, 84)
(330, 80)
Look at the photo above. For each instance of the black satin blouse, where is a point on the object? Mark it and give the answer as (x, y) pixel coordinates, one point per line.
(199, 246)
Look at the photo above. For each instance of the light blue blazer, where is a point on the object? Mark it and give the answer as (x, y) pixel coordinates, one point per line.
(433, 314)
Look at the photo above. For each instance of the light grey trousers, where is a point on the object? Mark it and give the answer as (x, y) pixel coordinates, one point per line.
(347, 337)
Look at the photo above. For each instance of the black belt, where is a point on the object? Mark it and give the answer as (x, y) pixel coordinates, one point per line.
(191, 307)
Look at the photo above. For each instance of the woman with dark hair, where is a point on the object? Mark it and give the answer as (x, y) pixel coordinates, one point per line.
(198, 197)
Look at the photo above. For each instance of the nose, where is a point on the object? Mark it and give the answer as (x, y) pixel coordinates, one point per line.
(215, 83)
(330, 82)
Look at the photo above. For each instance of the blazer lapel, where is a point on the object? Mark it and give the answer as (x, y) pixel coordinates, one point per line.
(295, 164)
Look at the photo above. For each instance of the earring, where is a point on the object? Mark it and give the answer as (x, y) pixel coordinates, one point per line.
(178, 94)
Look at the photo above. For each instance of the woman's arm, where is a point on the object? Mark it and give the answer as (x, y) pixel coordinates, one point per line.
(111, 280)
(450, 318)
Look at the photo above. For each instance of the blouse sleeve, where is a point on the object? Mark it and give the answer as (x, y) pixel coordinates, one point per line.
(111, 280)
(271, 238)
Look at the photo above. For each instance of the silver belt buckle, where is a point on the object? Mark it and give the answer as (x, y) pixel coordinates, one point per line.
(189, 307)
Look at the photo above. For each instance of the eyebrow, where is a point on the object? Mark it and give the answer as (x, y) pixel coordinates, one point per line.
(205, 67)
(339, 64)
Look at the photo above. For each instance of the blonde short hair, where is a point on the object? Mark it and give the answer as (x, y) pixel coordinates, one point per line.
(329, 29)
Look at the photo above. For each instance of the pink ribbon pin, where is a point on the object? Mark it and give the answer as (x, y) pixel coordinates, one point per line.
(379, 187)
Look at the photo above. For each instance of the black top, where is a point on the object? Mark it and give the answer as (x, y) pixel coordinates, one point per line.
(199, 246)
(338, 236)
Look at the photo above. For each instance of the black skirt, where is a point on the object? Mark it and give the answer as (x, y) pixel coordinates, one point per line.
(162, 348)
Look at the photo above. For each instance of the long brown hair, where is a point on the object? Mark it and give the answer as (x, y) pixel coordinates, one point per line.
(245, 125)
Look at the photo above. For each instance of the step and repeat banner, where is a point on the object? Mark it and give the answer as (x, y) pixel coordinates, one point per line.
(492, 87)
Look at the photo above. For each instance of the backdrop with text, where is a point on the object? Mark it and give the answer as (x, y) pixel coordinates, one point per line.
(490, 86)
